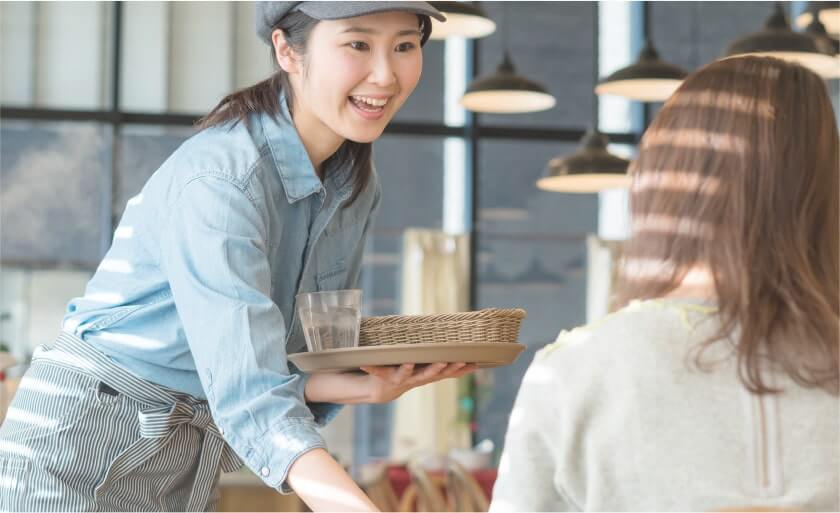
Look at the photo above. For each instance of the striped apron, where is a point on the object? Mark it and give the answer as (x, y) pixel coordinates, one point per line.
(84, 434)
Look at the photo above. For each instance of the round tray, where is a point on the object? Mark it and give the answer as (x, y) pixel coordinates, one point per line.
(485, 354)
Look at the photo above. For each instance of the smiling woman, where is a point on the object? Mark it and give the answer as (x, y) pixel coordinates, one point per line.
(189, 352)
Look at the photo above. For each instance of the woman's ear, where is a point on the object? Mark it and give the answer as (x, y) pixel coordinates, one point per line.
(285, 56)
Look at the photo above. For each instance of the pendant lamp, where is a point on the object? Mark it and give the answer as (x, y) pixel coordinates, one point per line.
(649, 79)
(589, 169)
(828, 13)
(463, 19)
(825, 44)
(505, 92)
(778, 40)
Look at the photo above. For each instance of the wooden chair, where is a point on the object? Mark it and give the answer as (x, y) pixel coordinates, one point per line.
(380, 491)
(423, 489)
(463, 491)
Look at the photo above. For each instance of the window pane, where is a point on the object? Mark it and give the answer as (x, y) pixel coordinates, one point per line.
(697, 33)
(410, 169)
(403, 163)
(426, 102)
(201, 70)
(547, 277)
(254, 60)
(509, 200)
(56, 54)
(552, 43)
(410, 163)
(144, 58)
(55, 179)
(142, 149)
(32, 306)
(532, 255)
(692, 34)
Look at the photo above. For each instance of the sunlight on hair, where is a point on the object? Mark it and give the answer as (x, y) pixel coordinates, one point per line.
(106, 298)
(131, 340)
(692, 138)
(725, 100)
(659, 223)
(678, 181)
(124, 232)
(136, 200)
(337, 499)
(698, 275)
(646, 269)
(116, 266)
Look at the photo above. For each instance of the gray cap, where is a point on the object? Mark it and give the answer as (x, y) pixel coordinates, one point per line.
(269, 13)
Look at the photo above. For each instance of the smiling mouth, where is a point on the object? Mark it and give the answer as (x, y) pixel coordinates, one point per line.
(368, 104)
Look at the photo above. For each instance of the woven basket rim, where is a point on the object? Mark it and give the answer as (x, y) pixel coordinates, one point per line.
(516, 314)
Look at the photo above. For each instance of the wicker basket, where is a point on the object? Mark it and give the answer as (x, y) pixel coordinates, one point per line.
(489, 325)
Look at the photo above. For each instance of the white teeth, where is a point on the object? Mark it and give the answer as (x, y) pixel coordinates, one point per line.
(376, 102)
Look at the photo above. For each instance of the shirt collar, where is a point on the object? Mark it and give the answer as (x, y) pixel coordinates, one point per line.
(289, 154)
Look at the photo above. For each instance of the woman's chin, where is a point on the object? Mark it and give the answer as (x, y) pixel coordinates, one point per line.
(364, 136)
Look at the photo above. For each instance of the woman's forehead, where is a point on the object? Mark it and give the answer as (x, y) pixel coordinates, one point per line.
(389, 23)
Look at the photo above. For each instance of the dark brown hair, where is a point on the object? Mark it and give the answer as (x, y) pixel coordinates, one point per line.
(738, 175)
(264, 97)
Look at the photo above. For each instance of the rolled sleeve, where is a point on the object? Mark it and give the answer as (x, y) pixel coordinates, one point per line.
(214, 253)
(323, 413)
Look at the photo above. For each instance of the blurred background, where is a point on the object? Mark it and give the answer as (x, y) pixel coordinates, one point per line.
(96, 95)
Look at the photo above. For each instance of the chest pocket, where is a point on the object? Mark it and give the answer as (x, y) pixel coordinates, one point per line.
(333, 279)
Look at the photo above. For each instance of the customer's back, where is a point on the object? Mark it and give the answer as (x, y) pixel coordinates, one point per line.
(717, 385)
(609, 418)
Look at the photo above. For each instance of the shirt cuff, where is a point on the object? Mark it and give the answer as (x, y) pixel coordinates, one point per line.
(280, 447)
(323, 412)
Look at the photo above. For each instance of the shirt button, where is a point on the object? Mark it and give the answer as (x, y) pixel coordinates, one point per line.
(221, 431)
(264, 471)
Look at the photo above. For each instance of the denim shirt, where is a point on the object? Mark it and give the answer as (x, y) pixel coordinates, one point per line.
(197, 292)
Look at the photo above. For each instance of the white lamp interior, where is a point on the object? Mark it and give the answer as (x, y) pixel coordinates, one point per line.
(507, 101)
(462, 25)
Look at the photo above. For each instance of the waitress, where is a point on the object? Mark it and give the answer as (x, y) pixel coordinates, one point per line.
(173, 365)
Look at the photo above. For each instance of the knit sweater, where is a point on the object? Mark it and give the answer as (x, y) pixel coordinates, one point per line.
(614, 416)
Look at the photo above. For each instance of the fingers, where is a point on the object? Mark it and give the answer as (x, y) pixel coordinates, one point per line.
(441, 371)
(402, 374)
(406, 374)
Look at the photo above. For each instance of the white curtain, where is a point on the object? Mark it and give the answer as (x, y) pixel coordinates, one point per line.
(435, 279)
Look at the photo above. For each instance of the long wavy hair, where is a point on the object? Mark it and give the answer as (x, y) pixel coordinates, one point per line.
(264, 97)
(738, 176)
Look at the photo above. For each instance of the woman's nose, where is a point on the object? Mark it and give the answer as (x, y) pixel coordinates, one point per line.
(382, 72)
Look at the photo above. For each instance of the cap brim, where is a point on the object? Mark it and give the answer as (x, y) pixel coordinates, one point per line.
(343, 10)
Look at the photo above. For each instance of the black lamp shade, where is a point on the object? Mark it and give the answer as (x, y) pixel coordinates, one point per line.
(589, 169)
(462, 20)
(777, 39)
(505, 92)
(649, 79)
